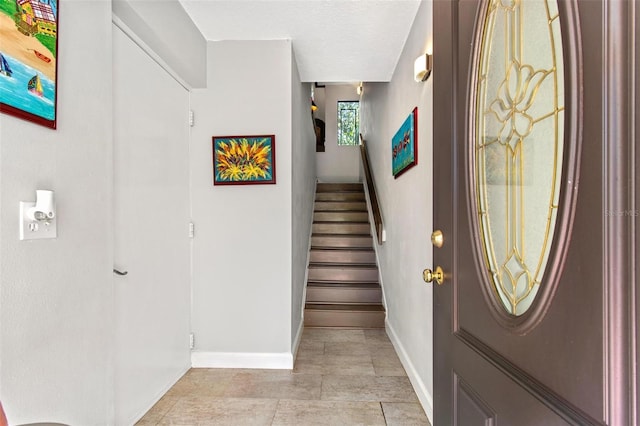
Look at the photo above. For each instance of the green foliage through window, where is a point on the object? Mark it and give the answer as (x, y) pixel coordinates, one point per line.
(348, 122)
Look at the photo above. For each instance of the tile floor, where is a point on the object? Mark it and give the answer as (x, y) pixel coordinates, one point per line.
(340, 377)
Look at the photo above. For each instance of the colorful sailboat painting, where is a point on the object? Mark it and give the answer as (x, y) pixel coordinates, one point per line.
(5, 69)
(34, 86)
(29, 60)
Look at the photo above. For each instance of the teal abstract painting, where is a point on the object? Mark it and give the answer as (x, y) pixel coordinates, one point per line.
(404, 145)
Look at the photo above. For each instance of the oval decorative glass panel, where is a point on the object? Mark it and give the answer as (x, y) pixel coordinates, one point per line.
(518, 144)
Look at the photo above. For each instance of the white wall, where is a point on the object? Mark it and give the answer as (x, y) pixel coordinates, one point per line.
(151, 203)
(242, 250)
(303, 194)
(165, 27)
(337, 163)
(57, 295)
(406, 207)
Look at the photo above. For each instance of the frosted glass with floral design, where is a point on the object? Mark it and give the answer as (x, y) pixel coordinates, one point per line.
(518, 144)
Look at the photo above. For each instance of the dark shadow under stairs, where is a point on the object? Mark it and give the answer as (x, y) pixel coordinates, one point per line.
(343, 289)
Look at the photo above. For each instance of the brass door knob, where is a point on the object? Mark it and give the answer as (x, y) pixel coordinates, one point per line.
(430, 276)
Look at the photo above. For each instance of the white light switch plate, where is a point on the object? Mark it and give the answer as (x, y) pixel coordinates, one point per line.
(33, 230)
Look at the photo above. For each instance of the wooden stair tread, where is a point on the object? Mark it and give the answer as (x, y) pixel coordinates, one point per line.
(339, 186)
(345, 222)
(343, 289)
(355, 266)
(342, 249)
(340, 235)
(340, 284)
(345, 307)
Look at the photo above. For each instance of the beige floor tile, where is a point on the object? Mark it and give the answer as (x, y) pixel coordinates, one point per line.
(333, 335)
(404, 414)
(348, 365)
(202, 382)
(309, 365)
(310, 348)
(389, 371)
(279, 384)
(309, 413)
(377, 337)
(346, 348)
(196, 410)
(367, 388)
(155, 414)
(340, 377)
(335, 364)
(386, 363)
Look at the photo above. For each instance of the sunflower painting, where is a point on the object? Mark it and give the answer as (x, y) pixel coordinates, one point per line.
(243, 160)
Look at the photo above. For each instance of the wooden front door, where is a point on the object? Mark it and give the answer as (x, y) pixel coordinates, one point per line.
(536, 197)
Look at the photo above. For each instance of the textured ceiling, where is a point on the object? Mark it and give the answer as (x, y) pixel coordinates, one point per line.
(333, 40)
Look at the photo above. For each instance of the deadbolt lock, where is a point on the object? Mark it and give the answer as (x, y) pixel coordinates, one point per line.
(430, 276)
(437, 238)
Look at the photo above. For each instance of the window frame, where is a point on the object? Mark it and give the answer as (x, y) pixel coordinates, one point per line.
(340, 137)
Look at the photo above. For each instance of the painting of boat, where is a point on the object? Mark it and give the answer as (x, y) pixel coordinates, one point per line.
(35, 86)
(5, 69)
(29, 60)
(42, 56)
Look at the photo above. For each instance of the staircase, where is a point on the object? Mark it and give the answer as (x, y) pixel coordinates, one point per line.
(342, 286)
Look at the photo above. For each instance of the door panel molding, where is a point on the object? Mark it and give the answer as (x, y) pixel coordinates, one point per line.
(465, 395)
(567, 411)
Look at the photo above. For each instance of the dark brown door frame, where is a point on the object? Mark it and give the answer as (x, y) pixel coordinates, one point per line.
(620, 165)
(620, 180)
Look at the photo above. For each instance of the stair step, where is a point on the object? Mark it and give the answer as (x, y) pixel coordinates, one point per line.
(340, 216)
(341, 228)
(361, 274)
(347, 241)
(339, 187)
(360, 206)
(340, 196)
(344, 256)
(348, 315)
(342, 287)
(340, 293)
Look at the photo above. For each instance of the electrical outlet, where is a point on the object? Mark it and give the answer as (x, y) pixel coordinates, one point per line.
(35, 229)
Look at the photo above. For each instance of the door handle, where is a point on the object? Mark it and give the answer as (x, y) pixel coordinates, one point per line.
(430, 276)
(121, 273)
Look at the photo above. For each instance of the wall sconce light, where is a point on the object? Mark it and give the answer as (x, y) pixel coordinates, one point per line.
(38, 220)
(359, 89)
(422, 67)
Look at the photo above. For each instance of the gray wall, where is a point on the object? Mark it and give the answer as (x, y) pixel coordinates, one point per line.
(406, 207)
(303, 194)
(56, 296)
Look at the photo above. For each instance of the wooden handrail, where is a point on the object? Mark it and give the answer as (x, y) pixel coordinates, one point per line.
(373, 198)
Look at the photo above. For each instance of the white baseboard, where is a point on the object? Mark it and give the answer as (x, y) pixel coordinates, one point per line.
(426, 399)
(276, 361)
(296, 341)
